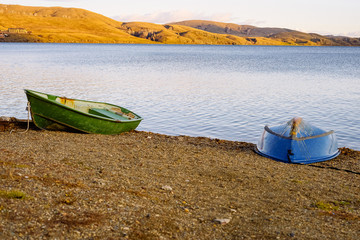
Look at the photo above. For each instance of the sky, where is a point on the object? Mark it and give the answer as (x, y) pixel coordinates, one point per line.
(327, 17)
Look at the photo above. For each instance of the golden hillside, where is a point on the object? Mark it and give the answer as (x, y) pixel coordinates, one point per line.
(65, 25)
(233, 29)
(283, 35)
(176, 34)
(57, 24)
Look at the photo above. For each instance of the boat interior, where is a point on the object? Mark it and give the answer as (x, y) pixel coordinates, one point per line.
(94, 108)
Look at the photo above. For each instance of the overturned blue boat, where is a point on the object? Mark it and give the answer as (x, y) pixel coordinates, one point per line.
(297, 142)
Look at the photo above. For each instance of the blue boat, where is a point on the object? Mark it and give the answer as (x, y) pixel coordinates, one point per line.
(297, 142)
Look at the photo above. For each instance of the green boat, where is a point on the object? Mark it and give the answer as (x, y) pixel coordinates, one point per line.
(52, 112)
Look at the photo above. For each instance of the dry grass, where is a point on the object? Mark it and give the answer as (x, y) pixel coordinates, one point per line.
(64, 25)
(12, 194)
(270, 36)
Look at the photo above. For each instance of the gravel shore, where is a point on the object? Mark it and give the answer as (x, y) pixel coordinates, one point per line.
(141, 185)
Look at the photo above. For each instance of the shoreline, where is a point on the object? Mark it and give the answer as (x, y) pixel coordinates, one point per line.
(143, 185)
(9, 123)
(187, 44)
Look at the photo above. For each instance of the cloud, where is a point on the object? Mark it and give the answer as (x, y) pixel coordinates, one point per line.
(353, 34)
(60, 0)
(173, 16)
(252, 22)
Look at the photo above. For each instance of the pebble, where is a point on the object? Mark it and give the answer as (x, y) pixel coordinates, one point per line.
(222, 221)
(167, 188)
(5, 119)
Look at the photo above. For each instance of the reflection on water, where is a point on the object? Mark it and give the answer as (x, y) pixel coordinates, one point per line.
(227, 92)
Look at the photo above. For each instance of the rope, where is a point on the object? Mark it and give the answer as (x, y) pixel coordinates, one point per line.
(28, 120)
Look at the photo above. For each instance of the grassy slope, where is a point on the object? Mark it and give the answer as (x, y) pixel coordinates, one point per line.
(65, 25)
(76, 25)
(301, 38)
(57, 24)
(286, 36)
(231, 28)
(176, 34)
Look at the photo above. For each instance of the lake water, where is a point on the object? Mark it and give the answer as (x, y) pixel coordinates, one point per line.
(226, 92)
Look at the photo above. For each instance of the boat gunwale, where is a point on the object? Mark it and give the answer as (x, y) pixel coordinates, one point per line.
(34, 94)
(267, 128)
(297, 161)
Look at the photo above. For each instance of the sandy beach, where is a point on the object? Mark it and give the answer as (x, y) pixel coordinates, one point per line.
(142, 185)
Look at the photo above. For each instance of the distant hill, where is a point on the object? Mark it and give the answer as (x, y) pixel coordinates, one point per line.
(57, 24)
(286, 36)
(176, 34)
(73, 25)
(233, 29)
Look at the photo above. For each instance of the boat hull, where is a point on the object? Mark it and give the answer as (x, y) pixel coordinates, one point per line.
(302, 150)
(51, 115)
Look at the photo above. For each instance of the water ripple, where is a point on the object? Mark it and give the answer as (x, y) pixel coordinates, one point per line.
(226, 92)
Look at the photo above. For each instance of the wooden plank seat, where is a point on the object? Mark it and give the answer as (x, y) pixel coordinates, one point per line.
(108, 114)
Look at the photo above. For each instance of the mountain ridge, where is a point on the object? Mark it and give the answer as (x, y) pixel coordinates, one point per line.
(75, 25)
(232, 28)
